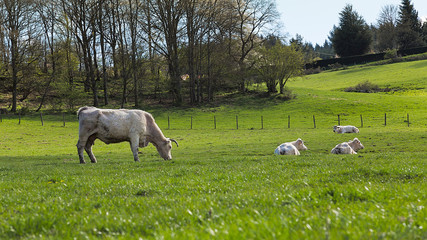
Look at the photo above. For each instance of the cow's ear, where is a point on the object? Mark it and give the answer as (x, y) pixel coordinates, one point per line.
(299, 141)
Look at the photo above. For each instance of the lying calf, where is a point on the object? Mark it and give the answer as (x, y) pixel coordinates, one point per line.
(346, 129)
(290, 148)
(350, 147)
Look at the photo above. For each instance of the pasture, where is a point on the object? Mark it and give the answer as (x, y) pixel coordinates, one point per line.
(225, 183)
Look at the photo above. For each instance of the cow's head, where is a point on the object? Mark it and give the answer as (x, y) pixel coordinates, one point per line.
(164, 148)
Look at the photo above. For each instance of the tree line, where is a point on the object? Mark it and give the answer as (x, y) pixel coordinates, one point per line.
(60, 52)
(398, 27)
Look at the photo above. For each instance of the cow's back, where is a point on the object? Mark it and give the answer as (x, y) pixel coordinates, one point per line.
(112, 125)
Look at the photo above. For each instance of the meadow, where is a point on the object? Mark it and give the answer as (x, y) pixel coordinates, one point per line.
(225, 183)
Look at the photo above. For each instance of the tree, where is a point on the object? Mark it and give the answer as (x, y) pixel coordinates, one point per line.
(386, 35)
(278, 63)
(352, 36)
(409, 26)
(306, 48)
(252, 17)
(166, 16)
(15, 19)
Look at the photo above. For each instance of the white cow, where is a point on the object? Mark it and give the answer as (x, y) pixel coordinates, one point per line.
(346, 129)
(112, 126)
(290, 148)
(350, 147)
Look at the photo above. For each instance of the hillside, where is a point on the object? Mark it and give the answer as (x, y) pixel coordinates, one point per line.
(321, 95)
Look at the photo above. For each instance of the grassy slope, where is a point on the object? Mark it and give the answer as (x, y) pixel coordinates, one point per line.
(226, 183)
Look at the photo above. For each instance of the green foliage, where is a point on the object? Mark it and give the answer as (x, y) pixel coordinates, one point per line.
(390, 54)
(277, 64)
(352, 36)
(409, 27)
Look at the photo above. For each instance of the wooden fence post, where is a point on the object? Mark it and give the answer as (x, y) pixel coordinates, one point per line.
(289, 121)
(262, 122)
(41, 118)
(339, 120)
(191, 125)
(19, 114)
(214, 122)
(361, 121)
(169, 124)
(1, 118)
(385, 119)
(237, 122)
(314, 121)
(63, 119)
(407, 118)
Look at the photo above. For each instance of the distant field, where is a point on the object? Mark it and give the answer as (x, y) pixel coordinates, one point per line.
(225, 183)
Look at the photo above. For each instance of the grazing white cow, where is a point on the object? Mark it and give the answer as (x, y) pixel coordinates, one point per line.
(350, 147)
(346, 129)
(290, 148)
(112, 126)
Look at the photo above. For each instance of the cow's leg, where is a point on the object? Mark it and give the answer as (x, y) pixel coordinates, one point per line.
(88, 148)
(80, 148)
(134, 144)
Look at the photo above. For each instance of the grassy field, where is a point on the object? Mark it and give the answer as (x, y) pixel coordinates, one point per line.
(225, 183)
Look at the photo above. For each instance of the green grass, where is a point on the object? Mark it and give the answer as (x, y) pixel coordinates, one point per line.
(226, 183)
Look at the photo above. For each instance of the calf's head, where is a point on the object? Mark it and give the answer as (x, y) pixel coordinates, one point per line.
(299, 144)
(356, 144)
(164, 148)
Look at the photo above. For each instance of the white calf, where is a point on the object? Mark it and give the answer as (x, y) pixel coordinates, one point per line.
(350, 147)
(290, 148)
(346, 129)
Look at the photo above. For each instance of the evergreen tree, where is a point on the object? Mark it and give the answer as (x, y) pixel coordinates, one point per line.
(409, 26)
(352, 36)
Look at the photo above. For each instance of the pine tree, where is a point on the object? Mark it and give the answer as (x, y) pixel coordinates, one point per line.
(409, 26)
(352, 36)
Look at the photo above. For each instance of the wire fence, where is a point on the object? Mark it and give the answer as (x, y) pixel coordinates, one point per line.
(246, 121)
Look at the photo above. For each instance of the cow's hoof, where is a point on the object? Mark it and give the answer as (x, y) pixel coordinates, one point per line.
(82, 162)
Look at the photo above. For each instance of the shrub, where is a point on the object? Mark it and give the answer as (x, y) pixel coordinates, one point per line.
(365, 87)
(390, 54)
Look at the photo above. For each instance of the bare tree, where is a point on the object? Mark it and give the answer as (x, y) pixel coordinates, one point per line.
(82, 13)
(387, 38)
(166, 16)
(15, 19)
(253, 16)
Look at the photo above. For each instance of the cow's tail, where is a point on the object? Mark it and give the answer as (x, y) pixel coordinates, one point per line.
(80, 110)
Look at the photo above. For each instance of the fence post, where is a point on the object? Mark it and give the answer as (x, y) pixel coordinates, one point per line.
(214, 122)
(237, 122)
(169, 124)
(1, 118)
(314, 121)
(262, 122)
(191, 125)
(385, 119)
(339, 120)
(41, 118)
(289, 121)
(361, 121)
(407, 118)
(19, 114)
(63, 119)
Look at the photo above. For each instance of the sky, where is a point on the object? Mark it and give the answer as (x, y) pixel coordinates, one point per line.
(314, 19)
